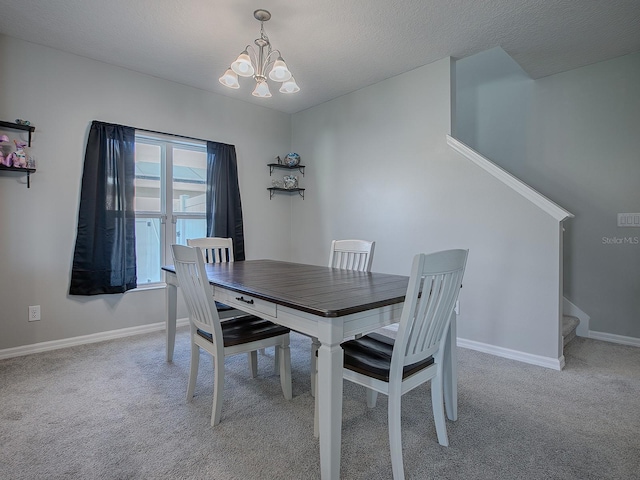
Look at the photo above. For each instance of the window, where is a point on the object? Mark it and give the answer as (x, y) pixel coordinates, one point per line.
(170, 194)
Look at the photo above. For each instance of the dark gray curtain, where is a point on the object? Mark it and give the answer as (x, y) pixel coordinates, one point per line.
(104, 260)
(224, 209)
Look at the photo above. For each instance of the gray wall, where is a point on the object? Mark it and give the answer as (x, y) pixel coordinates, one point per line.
(61, 94)
(575, 137)
(379, 168)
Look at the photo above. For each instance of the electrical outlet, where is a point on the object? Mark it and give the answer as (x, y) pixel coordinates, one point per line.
(629, 219)
(34, 313)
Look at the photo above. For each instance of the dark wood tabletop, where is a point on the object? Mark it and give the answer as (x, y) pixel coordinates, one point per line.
(323, 291)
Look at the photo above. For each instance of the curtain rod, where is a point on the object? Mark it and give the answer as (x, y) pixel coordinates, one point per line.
(171, 134)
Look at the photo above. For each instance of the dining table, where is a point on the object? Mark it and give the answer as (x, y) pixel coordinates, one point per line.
(329, 304)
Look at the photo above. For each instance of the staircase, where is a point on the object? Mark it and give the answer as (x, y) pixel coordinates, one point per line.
(569, 325)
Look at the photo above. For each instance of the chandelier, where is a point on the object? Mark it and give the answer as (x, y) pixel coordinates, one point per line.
(257, 65)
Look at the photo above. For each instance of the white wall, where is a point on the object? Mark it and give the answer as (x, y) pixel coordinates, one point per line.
(575, 137)
(61, 94)
(379, 168)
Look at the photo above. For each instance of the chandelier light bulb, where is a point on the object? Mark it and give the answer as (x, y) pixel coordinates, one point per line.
(280, 72)
(242, 66)
(230, 79)
(261, 90)
(289, 86)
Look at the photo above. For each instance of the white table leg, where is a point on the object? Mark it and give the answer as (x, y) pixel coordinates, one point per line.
(329, 392)
(451, 370)
(171, 295)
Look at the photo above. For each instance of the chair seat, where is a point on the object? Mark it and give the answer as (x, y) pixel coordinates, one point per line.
(247, 329)
(221, 307)
(371, 355)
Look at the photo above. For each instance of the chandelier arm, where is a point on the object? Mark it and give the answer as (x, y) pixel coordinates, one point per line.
(251, 50)
(254, 55)
(268, 61)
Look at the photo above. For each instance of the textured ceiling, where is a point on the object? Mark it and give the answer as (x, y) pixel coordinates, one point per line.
(333, 47)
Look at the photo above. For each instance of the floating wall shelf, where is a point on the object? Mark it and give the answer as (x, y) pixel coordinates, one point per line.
(26, 128)
(28, 171)
(286, 167)
(16, 126)
(273, 190)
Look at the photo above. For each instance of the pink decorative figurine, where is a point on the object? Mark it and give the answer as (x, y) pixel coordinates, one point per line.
(3, 160)
(19, 157)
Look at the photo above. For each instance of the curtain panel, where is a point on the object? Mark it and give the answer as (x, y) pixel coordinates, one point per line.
(104, 260)
(224, 208)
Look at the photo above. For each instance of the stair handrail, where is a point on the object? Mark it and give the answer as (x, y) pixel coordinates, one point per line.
(550, 207)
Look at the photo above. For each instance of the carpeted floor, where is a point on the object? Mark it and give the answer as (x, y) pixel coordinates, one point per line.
(117, 410)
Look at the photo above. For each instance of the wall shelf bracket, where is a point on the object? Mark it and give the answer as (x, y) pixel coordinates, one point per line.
(273, 166)
(273, 190)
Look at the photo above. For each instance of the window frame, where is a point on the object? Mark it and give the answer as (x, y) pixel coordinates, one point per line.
(168, 218)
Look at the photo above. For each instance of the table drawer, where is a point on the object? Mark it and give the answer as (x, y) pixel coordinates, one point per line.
(246, 303)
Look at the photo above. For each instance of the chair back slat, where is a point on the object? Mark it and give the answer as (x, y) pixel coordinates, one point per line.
(197, 293)
(214, 249)
(433, 289)
(352, 255)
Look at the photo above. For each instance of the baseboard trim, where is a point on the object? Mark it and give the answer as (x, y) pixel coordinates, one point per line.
(613, 338)
(547, 362)
(85, 339)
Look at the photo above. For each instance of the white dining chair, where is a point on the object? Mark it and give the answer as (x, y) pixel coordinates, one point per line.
(217, 250)
(214, 249)
(245, 334)
(352, 254)
(397, 366)
(220, 250)
(347, 255)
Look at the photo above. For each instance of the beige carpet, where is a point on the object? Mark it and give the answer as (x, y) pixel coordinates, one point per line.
(116, 410)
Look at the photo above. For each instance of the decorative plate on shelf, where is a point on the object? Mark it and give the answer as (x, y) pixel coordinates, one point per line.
(292, 159)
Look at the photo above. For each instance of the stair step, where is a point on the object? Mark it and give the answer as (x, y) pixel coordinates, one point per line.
(569, 325)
